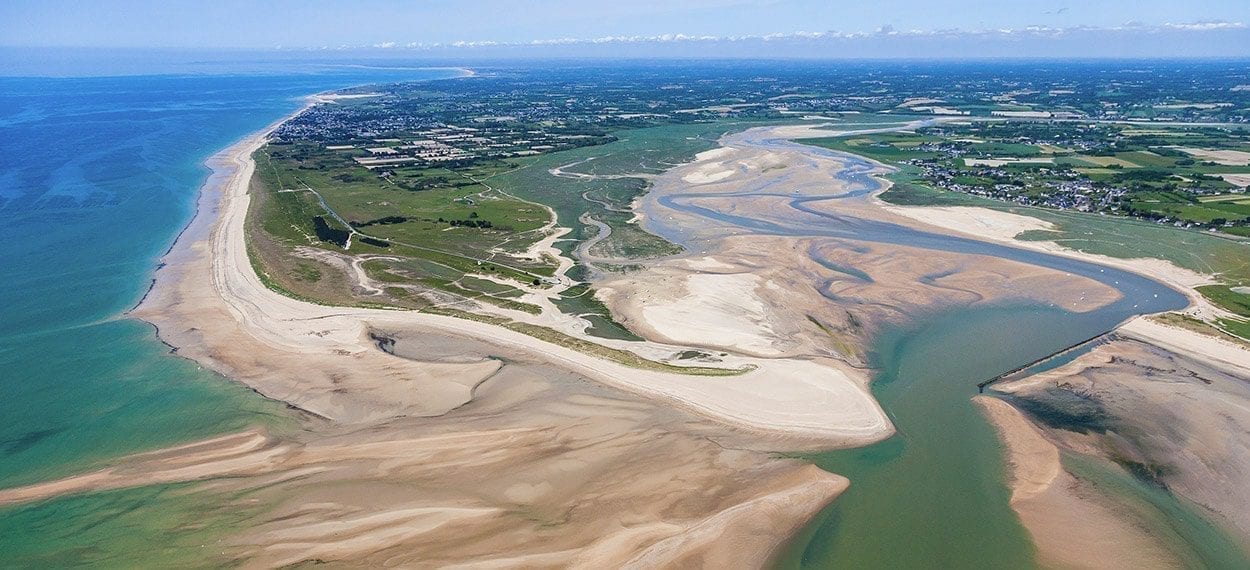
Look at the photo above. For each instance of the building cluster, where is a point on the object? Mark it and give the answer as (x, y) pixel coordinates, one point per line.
(1051, 188)
(455, 144)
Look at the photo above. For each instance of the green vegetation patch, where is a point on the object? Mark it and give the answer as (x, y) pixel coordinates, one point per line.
(616, 355)
(580, 300)
(1225, 298)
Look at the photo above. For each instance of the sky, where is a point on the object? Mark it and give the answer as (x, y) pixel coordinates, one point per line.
(813, 28)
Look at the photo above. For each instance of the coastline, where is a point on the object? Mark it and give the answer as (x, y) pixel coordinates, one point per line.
(273, 321)
(499, 430)
(309, 101)
(322, 361)
(837, 410)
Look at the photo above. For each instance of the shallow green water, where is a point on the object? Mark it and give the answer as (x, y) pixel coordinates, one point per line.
(58, 422)
(163, 526)
(934, 496)
(1177, 523)
(931, 496)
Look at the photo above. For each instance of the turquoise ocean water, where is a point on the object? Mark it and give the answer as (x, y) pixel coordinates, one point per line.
(97, 177)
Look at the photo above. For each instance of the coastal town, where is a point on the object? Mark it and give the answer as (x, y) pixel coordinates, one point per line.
(1112, 144)
(1185, 176)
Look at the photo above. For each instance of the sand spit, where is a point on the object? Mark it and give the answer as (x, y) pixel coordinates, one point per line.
(1215, 352)
(1172, 407)
(1072, 526)
(981, 222)
(1032, 461)
(322, 360)
(242, 453)
(305, 356)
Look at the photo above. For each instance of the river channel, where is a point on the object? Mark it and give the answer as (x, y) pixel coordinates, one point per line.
(934, 495)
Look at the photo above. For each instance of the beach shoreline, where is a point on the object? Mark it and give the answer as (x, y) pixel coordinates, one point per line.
(325, 362)
(838, 411)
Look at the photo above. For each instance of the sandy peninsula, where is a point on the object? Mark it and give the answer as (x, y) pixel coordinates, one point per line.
(1168, 405)
(574, 460)
(322, 359)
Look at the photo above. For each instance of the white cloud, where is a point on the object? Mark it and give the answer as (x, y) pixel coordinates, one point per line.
(885, 31)
(1206, 26)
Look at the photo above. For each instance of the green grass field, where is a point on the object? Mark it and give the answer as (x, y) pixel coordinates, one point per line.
(439, 223)
(391, 210)
(1227, 299)
(1234, 198)
(1128, 238)
(883, 147)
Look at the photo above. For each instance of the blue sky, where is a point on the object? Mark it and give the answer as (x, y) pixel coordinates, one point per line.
(489, 26)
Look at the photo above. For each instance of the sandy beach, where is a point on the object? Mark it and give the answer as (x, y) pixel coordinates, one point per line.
(413, 419)
(543, 468)
(322, 360)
